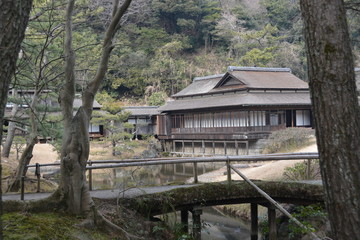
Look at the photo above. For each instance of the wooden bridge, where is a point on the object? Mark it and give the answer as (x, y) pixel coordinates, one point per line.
(152, 201)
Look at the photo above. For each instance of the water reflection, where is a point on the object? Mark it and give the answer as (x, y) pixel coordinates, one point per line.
(220, 227)
(215, 225)
(148, 175)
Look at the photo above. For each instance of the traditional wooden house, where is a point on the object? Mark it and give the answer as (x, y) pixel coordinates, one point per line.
(227, 114)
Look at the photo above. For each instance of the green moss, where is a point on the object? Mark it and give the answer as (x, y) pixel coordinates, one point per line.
(329, 48)
(56, 226)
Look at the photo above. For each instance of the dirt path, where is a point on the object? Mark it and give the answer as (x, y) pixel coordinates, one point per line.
(44, 153)
(266, 171)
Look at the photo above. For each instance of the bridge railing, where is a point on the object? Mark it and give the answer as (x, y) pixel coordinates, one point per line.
(107, 164)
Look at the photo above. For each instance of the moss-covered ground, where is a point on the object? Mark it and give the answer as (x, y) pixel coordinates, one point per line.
(55, 226)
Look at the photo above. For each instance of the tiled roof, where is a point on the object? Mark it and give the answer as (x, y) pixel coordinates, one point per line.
(252, 77)
(142, 110)
(241, 99)
(200, 86)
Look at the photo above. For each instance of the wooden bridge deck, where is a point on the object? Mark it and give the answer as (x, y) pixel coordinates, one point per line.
(162, 199)
(128, 193)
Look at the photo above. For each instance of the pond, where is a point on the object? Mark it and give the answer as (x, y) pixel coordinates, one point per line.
(216, 225)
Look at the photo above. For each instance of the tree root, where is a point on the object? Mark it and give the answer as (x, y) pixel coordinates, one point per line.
(94, 218)
(101, 220)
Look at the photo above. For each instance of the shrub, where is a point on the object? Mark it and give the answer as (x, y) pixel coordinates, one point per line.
(288, 139)
(300, 171)
(311, 216)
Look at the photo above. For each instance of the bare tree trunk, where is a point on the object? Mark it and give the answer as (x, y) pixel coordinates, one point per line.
(21, 169)
(75, 146)
(11, 129)
(27, 155)
(336, 111)
(14, 17)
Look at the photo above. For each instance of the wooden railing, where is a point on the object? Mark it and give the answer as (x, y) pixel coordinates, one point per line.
(226, 130)
(104, 164)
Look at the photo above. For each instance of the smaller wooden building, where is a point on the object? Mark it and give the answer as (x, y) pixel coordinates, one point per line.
(228, 114)
(144, 119)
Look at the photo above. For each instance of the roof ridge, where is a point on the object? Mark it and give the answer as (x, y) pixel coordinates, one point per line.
(208, 77)
(258, 69)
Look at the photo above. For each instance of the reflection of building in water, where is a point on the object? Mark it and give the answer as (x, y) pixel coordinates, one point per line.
(148, 175)
(187, 169)
(229, 114)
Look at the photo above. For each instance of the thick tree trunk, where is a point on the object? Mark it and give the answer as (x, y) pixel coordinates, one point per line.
(14, 16)
(75, 145)
(336, 111)
(75, 154)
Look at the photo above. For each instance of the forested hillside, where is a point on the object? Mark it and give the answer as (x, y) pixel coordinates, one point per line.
(164, 44)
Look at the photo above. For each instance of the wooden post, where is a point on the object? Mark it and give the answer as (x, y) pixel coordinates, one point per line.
(196, 212)
(236, 147)
(254, 221)
(90, 176)
(193, 148)
(228, 168)
(37, 174)
(308, 173)
(195, 173)
(213, 145)
(272, 222)
(183, 148)
(203, 147)
(185, 221)
(22, 188)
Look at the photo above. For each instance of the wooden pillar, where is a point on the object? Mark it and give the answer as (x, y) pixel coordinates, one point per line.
(196, 213)
(228, 171)
(183, 147)
(38, 174)
(236, 147)
(225, 148)
(247, 147)
(272, 222)
(254, 221)
(185, 221)
(195, 173)
(193, 147)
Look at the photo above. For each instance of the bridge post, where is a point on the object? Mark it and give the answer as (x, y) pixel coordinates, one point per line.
(185, 220)
(196, 212)
(37, 174)
(90, 175)
(272, 222)
(254, 221)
